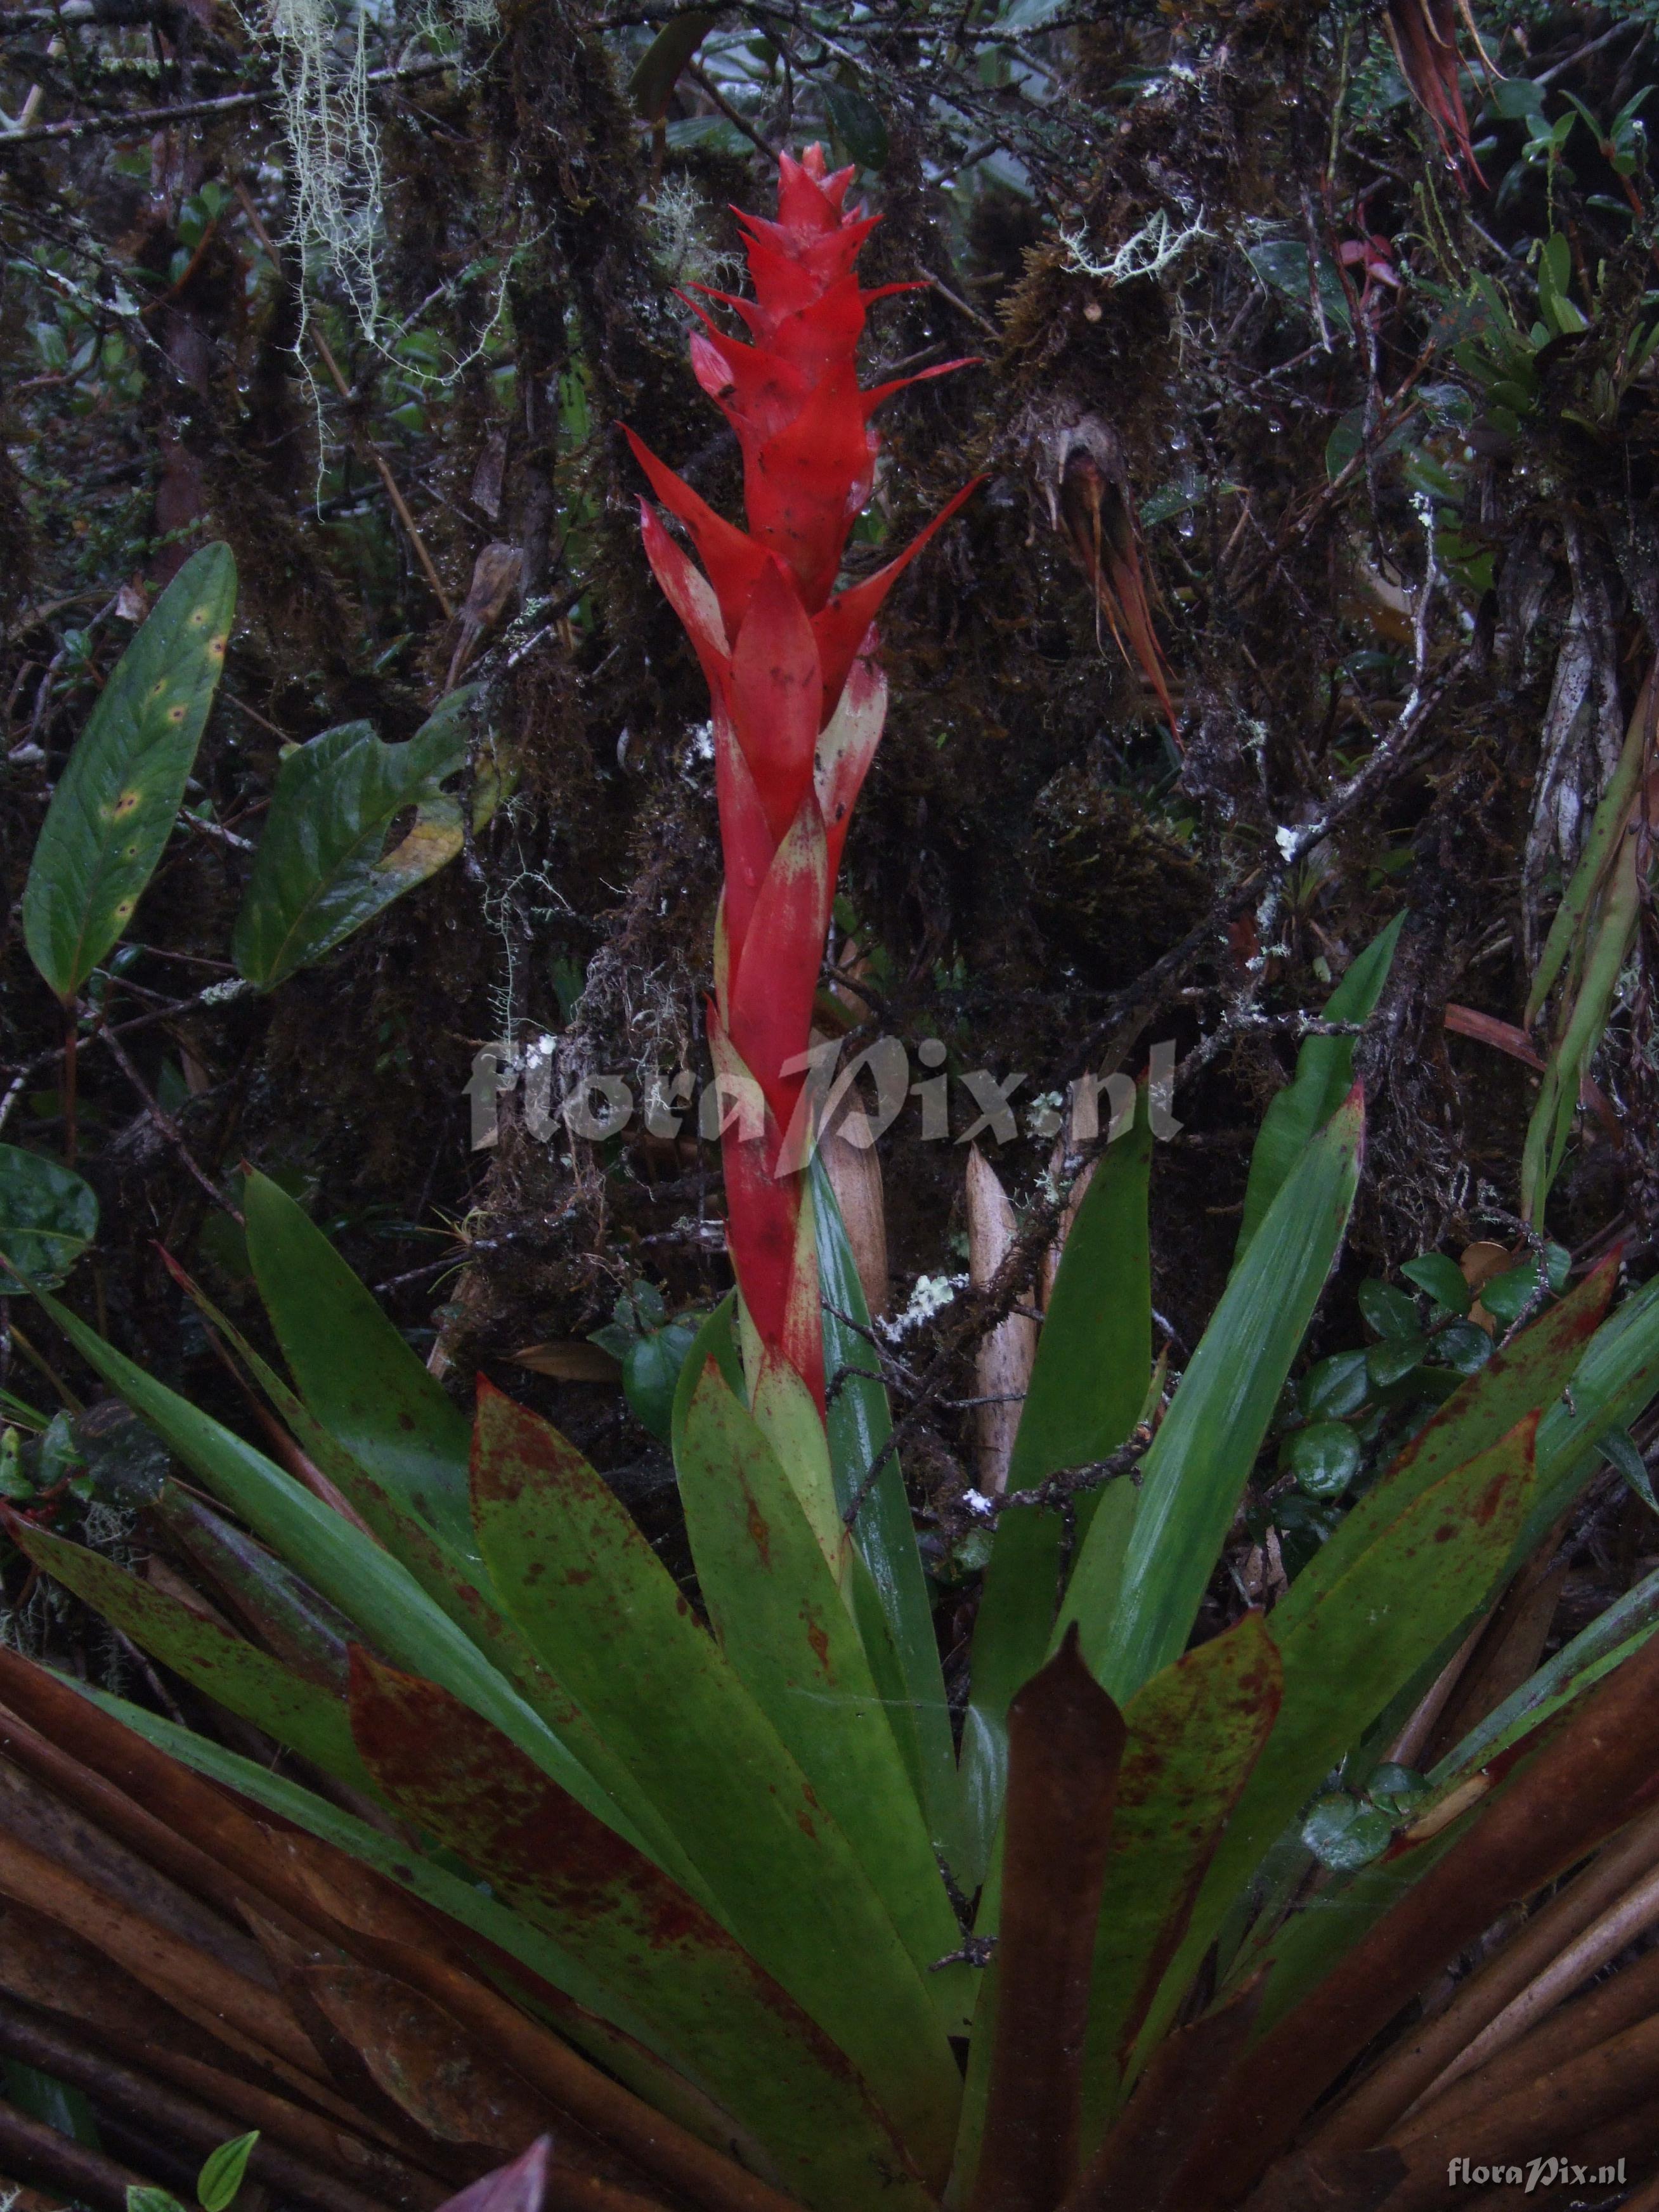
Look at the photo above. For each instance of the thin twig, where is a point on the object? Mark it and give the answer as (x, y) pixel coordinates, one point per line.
(169, 1127)
(136, 122)
(962, 305)
(212, 995)
(739, 121)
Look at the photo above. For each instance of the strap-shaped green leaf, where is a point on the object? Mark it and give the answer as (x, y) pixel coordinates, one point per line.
(604, 1614)
(347, 1567)
(224, 1667)
(461, 1591)
(626, 2040)
(303, 1629)
(1136, 1597)
(732, 2028)
(1095, 1353)
(860, 1428)
(716, 1338)
(353, 1369)
(1589, 877)
(1611, 1638)
(1088, 1387)
(117, 796)
(1613, 1384)
(1324, 1075)
(1196, 1731)
(1348, 1655)
(320, 872)
(783, 1622)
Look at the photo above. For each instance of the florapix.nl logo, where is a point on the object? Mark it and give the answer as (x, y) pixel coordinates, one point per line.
(863, 1099)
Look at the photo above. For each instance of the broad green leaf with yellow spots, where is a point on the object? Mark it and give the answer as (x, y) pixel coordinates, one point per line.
(120, 789)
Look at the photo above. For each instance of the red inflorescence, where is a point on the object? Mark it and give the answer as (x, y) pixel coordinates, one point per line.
(799, 701)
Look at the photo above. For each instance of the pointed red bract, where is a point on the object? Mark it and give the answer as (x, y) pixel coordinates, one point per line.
(797, 696)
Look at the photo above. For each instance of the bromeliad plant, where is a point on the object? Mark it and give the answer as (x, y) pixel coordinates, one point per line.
(682, 1891)
(715, 1891)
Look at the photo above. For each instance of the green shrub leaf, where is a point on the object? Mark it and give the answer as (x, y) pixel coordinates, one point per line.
(321, 870)
(117, 798)
(223, 2173)
(1325, 1458)
(48, 1217)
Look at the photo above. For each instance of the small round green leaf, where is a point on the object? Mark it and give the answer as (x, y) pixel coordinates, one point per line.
(1464, 1345)
(1325, 1458)
(1443, 1279)
(1345, 1833)
(223, 2173)
(1334, 1387)
(651, 1373)
(1507, 1297)
(1397, 1790)
(1389, 1309)
(1393, 1360)
(48, 1217)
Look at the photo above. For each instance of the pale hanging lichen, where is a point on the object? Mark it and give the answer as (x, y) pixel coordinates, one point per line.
(321, 55)
(334, 155)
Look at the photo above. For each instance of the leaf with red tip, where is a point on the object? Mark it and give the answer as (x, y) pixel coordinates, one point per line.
(877, 392)
(776, 695)
(1122, 597)
(732, 557)
(1423, 36)
(807, 199)
(746, 836)
(762, 1209)
(691, 595)
(847, 746)
(839, 627)
(766, 384)
(821, 259)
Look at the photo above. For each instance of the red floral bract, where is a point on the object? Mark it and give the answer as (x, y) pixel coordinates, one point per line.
(799, 701)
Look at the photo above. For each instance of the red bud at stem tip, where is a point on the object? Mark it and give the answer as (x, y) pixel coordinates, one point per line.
(798, 699)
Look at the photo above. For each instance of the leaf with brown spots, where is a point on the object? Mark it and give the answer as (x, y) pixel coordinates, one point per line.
(1066, 1739)
(730, 2029)
(1195, 1733)
(1525, 1377)
(1346, 1657)
(783, 1622)
(606, 1617)
(234, 1673)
